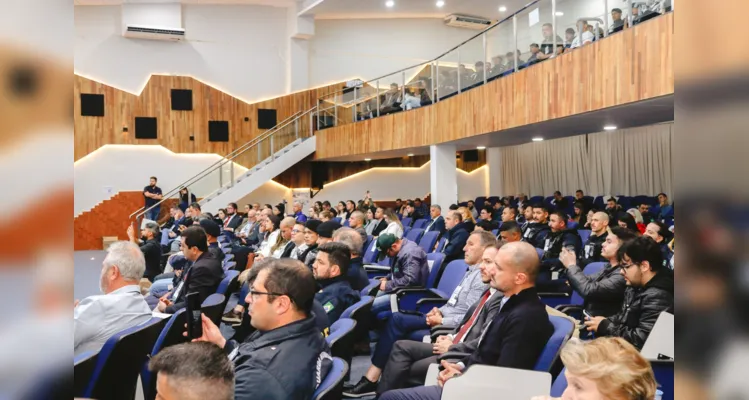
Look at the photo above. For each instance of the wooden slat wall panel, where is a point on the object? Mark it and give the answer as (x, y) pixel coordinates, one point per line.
(176, 127)
(630, 66)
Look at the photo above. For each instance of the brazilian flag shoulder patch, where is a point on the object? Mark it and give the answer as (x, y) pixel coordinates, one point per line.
(328, 307)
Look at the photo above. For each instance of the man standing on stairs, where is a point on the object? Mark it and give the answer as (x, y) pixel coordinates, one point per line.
(153, 195)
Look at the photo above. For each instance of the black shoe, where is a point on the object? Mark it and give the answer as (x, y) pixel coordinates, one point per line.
(232, 317)
(362, 389)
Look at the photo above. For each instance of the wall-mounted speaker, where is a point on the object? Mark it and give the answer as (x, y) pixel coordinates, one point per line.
(145, 128)
(182, 99)
(218, 131)
(92, 105)
(471, 155)
(266, 118)
(319, 174)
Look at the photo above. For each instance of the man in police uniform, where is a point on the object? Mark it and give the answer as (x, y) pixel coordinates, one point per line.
(331, 269)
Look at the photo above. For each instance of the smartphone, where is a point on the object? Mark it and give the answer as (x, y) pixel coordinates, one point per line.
(194, 318)
(586, 314)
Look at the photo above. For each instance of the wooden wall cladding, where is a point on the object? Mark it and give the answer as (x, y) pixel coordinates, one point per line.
(110, 218)
(632, 65)
(176, 127)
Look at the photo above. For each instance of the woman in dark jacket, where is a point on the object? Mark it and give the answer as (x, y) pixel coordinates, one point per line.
(185, 199)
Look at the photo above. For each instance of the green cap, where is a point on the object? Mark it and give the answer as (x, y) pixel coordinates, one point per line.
(385, 241)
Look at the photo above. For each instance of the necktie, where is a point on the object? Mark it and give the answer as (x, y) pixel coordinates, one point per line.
(470, 322)
(226, 221)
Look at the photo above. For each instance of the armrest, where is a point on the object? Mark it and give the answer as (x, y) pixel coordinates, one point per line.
(406, 298)
(554, 299)
(426, 304)
(452, 356)
(573, 310)
(371, 289)
(372, 267)
(434, 334)
(441, 328)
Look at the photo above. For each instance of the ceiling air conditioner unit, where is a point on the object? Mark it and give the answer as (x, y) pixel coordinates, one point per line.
(145, 32)
(468, 22)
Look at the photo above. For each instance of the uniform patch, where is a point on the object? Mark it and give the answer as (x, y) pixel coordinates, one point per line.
(328, 307)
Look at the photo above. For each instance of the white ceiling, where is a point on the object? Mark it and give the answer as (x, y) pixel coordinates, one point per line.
(274, 3)
(362, 9)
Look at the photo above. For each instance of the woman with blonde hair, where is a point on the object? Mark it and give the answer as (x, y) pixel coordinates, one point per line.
(394, 224)
(607, 368)
(468, 219)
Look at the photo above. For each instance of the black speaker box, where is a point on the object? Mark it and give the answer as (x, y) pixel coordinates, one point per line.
(471, 155)
(145, 128)
(319, 174)
(92, 105)
(266, 118)
(218, 131)
(182, 99)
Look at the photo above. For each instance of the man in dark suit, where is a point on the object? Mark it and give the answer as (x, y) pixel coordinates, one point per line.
(456, 237)
(518, 333)
(382, 225)
(233, 220)
(203, 276)
(331, 273)
(437, 221)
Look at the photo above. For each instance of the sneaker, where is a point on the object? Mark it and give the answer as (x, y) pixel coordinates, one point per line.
(232, 317)
(362, 389)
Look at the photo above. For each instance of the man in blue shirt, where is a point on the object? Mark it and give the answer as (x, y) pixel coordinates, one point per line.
(153, 195)
(298, 214)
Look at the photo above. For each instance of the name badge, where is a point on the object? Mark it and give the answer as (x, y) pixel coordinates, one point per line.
(454, 298)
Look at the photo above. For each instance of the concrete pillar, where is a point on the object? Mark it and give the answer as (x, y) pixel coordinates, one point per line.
(494, 171)
(443, 175)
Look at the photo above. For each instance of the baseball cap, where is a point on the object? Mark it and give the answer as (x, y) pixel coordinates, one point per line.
(385, 241)
(313, 224)
(326, 229)
(210, 227)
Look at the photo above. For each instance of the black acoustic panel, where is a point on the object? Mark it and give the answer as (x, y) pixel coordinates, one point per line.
(218, 131)
(471, 155)
(145, 128)
(266, 118)
(92, 105)
(182, 99)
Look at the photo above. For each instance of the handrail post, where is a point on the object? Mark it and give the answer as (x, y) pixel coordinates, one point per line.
(335, 109)
(317, 112)
(353, 111)
(272, 152)
(485, 59)
(403, 87)
(231, 173)
(432, 95)
(437, 94)
(515, 41)
(459, 85)
(378, 97)
(296, 128)
(605, 18)
(220, 177)
(553, 28)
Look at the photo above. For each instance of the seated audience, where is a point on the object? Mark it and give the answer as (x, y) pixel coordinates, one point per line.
(581, 214)
(599, 225)
(326, 216)
(437, 221)
(297, 237)
(538, 227)
(233, 220)
(356, 222)
(150, 247)
(203, 276)
(497, 209)
(421, 207)
(394, 225)
(560, 202)
(605, 368)
(639, 221)
(626, 220)
(510, 232)
(547, 30)
(193, 371)
(486, 226)
(287, 357)
(331, 273)
(412, 212)
(612, 206)
(603, 291)
(296, 208)
(185, 199)
(179, 219)
(509, 214)
(272, 229)
(325, 232)
(379, 223)
(467, 218)
(471, 208)
(535, 51)
(659, 232)
(468, 292)
(212, 232)
(356, 274)
(120, 306)
(284, 245)
(486, 215)
(617, 23)
(666, 210)
(569, 37)
(518, 333)
(456, 235)
(250, 232)
(350, 208)
(391, 100)
(408, 268)
(647, 217)
(650, 291)
(309, 255)
(560, 237)
(580, 196)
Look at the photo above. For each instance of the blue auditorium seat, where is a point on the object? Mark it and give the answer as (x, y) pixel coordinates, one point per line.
(365, 247)
(559, 385)
(571, 224)
(331, 388)
(414, 235)
(428, 240)
(441, 245)
(420, 223)
(169, 336)
(406, 223)
(83, 366)
(213, 307)
(341, 339)
(574, 306)
(406, 229)
(479, 202)
(371, 254)
(229, 277)
(345, 223)
(584, 234)
(563, 329)
(410, 298)
(536, 199)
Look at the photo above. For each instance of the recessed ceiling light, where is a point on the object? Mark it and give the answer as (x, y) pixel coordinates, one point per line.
(389, 3)
(559, 13)
(480, 147)
(609, 128)
(538, 139)
(410, 154)
(367, 159)
(502, 9)
(440, 3)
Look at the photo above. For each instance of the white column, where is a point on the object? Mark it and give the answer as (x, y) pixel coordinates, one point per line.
(301, 29)
(494, 171)
(443, 175)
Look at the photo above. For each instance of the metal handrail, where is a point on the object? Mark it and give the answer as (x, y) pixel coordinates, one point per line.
(441, 55)
(224, 160)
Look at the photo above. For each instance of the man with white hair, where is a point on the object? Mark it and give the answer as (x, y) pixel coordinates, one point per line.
(97, 318)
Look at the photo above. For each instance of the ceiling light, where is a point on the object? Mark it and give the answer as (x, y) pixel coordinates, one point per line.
(389, 3)
(538, 139)
(367, 159)
(481, 147)
(410, 154)
(609, 128)
(558, 13)
(502, 9)
(440, 3)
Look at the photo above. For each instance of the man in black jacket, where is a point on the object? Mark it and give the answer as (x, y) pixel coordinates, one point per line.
(518, 333)
(592, 249)
(287, 357)
(437, 221)
(382, 224)
(357, 275)
(456, 236)
(650, 291)
(603, 291)
(310, 239)
(203, 276)
(151, 248)
(538, 229)
(233, 220)
(559, 238)
(330, 270)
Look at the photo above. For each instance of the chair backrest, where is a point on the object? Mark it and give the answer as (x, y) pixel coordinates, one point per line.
(414, 234)
(331, 388)
(345, 223)
(540, 253)
(229, 277)
(169, 336)
(435, 260)
(120, 361)
(559, 385)
(536, 199)
(452, 275)
(359, 309)
(584, 234)
(440, 245)
(406, 222)
(420, 223)
(213, 307)
(370, 255)
(571, 224)
(563, 328)
(495, 232)
(165, 237)
(341, 338)
(589, 269)
(366, 244)
(428, 240)
(406, 229)
(84, 365)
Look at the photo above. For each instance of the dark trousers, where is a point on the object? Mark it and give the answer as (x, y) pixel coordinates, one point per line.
(407, 366)
(398, 327)
(417, 393)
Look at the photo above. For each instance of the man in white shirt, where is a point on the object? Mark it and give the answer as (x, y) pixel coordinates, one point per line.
(97, 318)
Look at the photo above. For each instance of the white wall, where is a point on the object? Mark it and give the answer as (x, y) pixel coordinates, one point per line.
(368, 48)
(241, 49)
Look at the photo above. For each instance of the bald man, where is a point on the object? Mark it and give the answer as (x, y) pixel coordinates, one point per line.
(517, 334)
(599, 225)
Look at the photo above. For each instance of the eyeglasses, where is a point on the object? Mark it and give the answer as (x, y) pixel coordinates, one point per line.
(626, 266)
(256, 293)
(296, 231)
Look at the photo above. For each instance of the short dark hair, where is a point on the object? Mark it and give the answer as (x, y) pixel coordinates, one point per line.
(557, 193)
(338, 253)
(513, 209)
(561, 214)
(195, 205)
(541, 206)
(662, 230)
(623, 234)
(457, 215)
(175, 207)
(398, 199)
(641, 249)
(628, 219)
(662, 194)
(488, 209)
(233, 205)
(612, 198)
(201, 363)
(510, 226)
(417, 199)
(326, 203)
(578, 190)
(154, 178)
(453, 207)
(470, 201)
(293, 279)
(195, 237)
(618, 10)
(570, 30)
